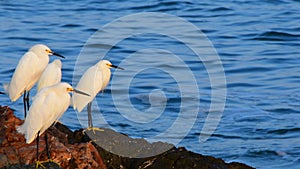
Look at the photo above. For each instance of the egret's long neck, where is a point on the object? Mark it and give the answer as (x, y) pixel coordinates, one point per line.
(106, 77)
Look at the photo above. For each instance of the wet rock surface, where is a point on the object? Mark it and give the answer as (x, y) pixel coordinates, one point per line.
(108, 149)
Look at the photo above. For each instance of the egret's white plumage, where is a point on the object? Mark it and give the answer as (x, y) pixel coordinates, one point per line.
(51, 75)
(28, 70)
(48, 106)
(94, 80)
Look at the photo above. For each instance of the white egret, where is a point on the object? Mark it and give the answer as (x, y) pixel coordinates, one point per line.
(51, 75)
(28, 72)
(48, 106)
(94, 80)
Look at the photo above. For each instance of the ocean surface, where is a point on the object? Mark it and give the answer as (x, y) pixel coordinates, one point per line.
(184, 61)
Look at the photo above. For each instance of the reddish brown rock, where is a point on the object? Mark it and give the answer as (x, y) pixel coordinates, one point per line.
(14, 150)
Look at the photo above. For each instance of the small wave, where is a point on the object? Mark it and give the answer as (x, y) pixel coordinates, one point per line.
(143, 7)
(265, 153)
(249, 70)
(227, 136)
(122, 125)
(101, 46)
(7, 71)
(90, 30)
(256, 118)
(284, 131)
(276, 36)
(221, 9)
(71, 25)
(282, 110)
(241, 84)
(30, 39)
(151, 130)
(158, 6)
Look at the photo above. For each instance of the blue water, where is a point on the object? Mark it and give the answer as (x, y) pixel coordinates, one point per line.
(257, 42)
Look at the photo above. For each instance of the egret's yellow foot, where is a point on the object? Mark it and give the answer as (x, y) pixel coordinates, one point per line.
(93, 128)
(40, 163)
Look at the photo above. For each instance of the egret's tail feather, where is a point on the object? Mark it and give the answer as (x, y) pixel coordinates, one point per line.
(21, 129)
(28, 136)
(6, 87)
(75, 104)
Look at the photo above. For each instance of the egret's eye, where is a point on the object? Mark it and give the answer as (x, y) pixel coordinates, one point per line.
(48, 51)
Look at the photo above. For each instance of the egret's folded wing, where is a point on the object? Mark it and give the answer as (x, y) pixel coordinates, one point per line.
(24, 75)
(34, 120)
(89, 83)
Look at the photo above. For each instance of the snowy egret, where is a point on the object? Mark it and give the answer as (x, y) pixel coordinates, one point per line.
(94, 80)
(48, 106)
(51, 75)
(28, 72)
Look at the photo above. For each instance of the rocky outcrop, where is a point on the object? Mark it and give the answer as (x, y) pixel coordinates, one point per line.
(108, 149)
(15, 153)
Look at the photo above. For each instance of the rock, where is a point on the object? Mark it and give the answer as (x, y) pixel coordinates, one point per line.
(15, 153)
(108, 149)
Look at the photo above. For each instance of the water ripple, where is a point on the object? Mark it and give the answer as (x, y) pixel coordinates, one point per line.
(277, 36)
(259, 50)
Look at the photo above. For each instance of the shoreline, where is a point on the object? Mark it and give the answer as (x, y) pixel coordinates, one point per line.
(74, 149)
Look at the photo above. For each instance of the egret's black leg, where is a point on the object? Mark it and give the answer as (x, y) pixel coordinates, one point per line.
(37, 146)
(27, 99)
(47, 146)
(89, 110)
(90, 121)
(24, 102)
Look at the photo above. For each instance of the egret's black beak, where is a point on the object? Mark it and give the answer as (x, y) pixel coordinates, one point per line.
(117, 67)
(80, 92)
(56, 54)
